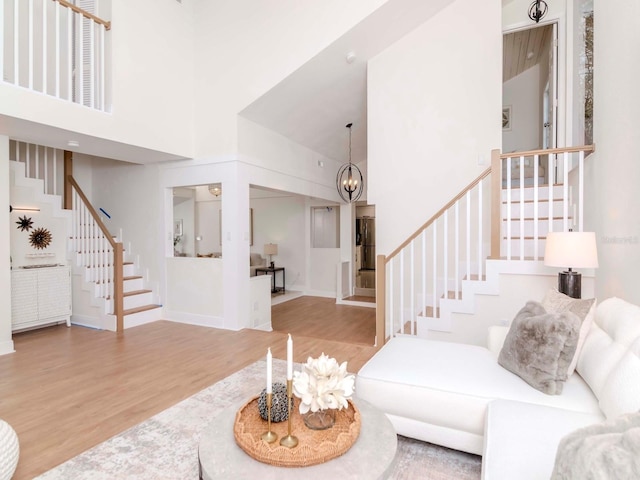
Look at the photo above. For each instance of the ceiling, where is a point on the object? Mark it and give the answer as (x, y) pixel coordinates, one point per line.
(524, 49)
(313, 105)
(39, 134)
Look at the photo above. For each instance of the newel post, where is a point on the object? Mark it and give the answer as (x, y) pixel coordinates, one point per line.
(118, 286)
(496, 203)
(68, 172)
(381, 307)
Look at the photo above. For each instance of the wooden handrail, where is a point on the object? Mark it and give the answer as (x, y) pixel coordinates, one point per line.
(439, 212)
(118, 262)
(84, 13)
(92, 210)
(530, 153)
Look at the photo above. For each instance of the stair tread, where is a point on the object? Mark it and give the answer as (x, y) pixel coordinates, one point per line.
(451, 295)
(474, 276)
(143, 308)
(136, 292)
(513, 237)
(514, 219)
(532, 186)
(132, 277)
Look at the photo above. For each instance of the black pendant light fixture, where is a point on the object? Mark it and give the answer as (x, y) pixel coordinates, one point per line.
(537, 10)
(349, 180)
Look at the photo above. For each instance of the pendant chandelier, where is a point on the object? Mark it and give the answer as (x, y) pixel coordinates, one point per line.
(349, 179)
(537, 10)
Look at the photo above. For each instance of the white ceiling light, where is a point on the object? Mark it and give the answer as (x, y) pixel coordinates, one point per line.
(73, 143)
(350, 58)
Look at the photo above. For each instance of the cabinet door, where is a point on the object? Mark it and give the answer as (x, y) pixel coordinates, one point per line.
(24, 297)
(54, 292)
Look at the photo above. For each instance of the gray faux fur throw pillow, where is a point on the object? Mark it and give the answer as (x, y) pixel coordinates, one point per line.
(539, 347)
(608, 450)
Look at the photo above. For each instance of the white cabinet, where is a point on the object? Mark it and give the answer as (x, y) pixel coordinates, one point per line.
(40, 296)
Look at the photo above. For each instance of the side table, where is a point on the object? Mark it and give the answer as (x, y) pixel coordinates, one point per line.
(272, 272)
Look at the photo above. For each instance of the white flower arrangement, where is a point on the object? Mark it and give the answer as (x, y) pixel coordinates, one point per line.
(323, 384)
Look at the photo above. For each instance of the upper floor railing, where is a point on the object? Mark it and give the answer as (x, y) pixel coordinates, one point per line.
(56, 48)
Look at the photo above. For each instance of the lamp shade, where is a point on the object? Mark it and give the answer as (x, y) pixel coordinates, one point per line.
(571, 250)
(271, 249)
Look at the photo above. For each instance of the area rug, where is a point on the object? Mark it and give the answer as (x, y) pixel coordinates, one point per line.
(165, 447)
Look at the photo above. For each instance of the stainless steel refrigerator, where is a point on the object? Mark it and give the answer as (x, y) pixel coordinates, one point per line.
(366, 236)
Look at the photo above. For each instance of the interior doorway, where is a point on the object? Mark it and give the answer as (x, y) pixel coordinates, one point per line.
(365, 251)
(530, 95)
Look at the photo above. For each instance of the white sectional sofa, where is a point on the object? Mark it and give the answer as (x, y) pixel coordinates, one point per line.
(458, 395)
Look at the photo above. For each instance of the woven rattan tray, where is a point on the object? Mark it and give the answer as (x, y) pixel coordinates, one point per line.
(314, 446)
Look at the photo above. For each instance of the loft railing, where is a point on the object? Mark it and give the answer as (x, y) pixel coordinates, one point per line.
(55, 48)
(504, 213)
(98, 252)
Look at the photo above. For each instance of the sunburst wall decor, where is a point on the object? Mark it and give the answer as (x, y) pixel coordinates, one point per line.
(40, 238)
(24, 223)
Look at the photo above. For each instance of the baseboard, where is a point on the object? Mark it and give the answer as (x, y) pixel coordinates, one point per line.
(265, 327)
(89, 322)
(194, 319)
(320, 293)
(6, 347)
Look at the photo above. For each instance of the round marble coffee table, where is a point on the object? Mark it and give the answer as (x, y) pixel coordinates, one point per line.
(371, 456)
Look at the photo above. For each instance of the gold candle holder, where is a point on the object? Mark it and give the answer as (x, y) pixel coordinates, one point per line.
(269, 436)
(289, 441)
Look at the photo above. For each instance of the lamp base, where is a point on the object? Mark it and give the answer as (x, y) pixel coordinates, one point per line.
(570, 283)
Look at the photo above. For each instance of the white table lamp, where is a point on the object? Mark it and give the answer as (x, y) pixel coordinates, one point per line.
(271, 249)
(571, 250)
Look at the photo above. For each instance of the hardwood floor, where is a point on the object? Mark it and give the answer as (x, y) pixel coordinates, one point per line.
(68, 389)
(322, 318)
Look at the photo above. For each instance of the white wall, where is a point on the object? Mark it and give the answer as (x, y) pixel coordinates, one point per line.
(250, 47)
(281, 220)
(132, 196)
(434, 103)
(196, 295)
(208, 224)
(22, 252)
(6, 344)
(184, 209)
(613, 176)
(515, 291)
(285, 165)
(521, 93)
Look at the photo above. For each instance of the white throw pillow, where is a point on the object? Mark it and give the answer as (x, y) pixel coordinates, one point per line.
(621, 392)
(585, 309)
(599, 356)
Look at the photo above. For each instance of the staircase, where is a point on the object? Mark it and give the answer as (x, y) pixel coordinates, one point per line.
(495, 226)
(108, 274)
(90, 249)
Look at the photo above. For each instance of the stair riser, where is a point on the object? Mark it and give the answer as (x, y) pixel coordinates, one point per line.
(133, 301)
(91, 273)
(543, 193)
(543, 228)
(134, 284)
(543, 210)
(529, 248)
(141, 318)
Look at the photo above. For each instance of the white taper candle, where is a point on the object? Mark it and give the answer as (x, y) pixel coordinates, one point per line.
(269, 371)
(289, 358)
